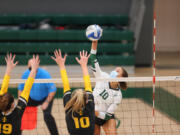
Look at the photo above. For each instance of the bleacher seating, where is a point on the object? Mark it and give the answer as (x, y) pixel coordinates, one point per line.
(115, 46)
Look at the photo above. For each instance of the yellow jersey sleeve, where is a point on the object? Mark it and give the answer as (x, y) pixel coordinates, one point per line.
(87, 83)
(4, 86)
(65, 80)
(27, 88)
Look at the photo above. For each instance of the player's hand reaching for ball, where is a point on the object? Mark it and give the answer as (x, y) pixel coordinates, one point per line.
(59, 59)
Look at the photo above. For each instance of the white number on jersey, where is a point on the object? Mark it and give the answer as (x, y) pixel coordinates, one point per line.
(104, 94)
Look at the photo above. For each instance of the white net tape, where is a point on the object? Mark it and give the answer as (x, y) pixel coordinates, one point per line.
(80, 80)
(134, 111)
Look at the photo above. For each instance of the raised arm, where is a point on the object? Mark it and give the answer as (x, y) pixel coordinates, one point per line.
(28, 85)
(94, 63)
(61, 63)
(10, 64)
(83, 62)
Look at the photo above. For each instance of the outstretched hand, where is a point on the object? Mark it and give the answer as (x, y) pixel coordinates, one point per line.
(83, 58)
(59, 59)
(35, 62)
(10, 63)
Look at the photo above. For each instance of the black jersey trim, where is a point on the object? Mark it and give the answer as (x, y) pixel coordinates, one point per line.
(67, 93)
(88, 92)
(23, 100)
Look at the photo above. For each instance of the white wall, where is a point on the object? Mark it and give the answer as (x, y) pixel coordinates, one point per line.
(168, 25)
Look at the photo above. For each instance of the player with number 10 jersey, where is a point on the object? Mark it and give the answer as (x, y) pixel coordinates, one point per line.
(107, 95)
(79, 104)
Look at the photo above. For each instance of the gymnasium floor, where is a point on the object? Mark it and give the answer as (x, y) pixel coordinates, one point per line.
(135, 114)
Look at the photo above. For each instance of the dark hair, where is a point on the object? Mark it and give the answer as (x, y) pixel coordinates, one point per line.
(6, 101)
(123, 85)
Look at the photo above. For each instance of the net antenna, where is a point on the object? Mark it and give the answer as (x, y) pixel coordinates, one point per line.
(154, 72)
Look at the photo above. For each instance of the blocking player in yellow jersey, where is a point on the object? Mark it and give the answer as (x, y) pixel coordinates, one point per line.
(10, 113)
(79, 104)
(107, 95)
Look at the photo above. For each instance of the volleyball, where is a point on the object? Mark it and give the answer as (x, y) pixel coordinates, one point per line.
(94, 32)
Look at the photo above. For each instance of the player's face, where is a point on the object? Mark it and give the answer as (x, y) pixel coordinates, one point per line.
(119, 70)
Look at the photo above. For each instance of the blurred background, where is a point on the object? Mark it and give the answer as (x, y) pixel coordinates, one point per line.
(40, 26)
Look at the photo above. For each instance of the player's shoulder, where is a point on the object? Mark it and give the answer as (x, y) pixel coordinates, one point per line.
(21, 101)
(43, 72)
(25, 74)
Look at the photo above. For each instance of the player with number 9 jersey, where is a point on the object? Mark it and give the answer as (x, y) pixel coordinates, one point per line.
(10, 113)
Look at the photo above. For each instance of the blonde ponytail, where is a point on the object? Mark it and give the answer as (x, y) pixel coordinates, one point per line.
(77, 101)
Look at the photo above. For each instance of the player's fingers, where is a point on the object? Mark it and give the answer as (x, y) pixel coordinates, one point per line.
(53, 58)
(39, 62)
(7, 56)
(65, 56)
(16, 63)
(59, 52)
(80, 54)
(85, 53)
(13, 57)
(37, 58)
(33, 57)
(10, 56)
(56, 53)
(77, 60)
(88, 56)
(6, 59)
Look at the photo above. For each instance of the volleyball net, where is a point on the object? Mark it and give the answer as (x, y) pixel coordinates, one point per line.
(135, 111)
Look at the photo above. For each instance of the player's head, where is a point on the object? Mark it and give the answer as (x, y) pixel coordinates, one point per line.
(6, 102)
(120, 72)
(77, 102)
(30, 63)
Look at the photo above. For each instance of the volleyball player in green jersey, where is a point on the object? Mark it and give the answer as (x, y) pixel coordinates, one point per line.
(79, 104)
(10, 113)
(107, 95)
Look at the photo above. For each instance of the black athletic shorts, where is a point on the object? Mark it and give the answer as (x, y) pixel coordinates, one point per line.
(101, 122)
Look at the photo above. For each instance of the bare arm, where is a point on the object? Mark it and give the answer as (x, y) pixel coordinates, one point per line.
(93, 60)
(94, 45)
(50, 97)
(48, 100)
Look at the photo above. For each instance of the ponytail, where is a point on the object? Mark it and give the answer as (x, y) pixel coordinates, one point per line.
(123, 85)
(77, 101)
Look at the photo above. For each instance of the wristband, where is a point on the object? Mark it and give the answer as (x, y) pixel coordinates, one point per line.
(93, 51)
